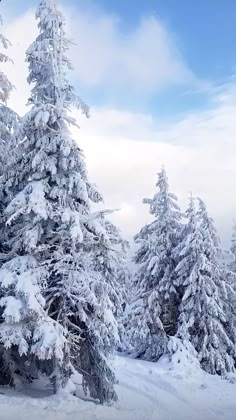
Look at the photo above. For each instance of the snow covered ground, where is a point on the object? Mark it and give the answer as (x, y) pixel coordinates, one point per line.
(147, 391)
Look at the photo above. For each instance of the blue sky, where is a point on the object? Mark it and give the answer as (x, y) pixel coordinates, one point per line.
(204, 32)
(159, 76)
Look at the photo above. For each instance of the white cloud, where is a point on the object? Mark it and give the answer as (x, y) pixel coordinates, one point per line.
(144, 59)
(200, 159)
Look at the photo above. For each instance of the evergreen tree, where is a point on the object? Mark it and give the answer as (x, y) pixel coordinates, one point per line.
(8, 121)
(107, 295)
(228, 277)
(145, 337)
(78, 298)
(154, 308)
(111, 260)
(5, 85)
(26, 329)
(232, 264)
(8, 118)
(203, 310)
(49, 215)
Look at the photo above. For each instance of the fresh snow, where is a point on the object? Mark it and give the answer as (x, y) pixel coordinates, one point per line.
(177, 390)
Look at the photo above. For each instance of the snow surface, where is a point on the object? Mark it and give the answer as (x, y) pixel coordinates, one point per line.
(147, 391)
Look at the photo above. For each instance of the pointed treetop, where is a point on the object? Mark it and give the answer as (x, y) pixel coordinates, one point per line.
(163, 204)
(47, 8)
(210, 235)
(191, 210)
(48, 61)
(233, 241)
(162, 178)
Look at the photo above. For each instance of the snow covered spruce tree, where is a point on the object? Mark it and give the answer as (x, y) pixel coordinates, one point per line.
(49, 216)
(86, 297)
(203, 310)
(154, 309)
(5, 85)
(8, 118)
(111, 260)
(232, 264)
(99, 281)
(228, 277)
(78, 298)
(26, 331)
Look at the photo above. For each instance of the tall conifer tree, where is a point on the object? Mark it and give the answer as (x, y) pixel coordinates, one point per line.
(204, 308)
(8, 118)
(49, 214)
(154, 309)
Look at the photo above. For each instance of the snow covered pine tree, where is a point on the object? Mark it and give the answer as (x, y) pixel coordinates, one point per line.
(110, 259)
(49, 216)
(112, 262)
(5, 84)
(8, 118)
(154, 311)
(203, 310)
(233, 250)
(230, 278)
(26, 329)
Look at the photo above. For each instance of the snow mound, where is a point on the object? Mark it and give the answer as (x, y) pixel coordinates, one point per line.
(182, 357)
(165, 390)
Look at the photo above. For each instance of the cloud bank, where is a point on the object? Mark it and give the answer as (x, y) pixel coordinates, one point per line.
(198, 153)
